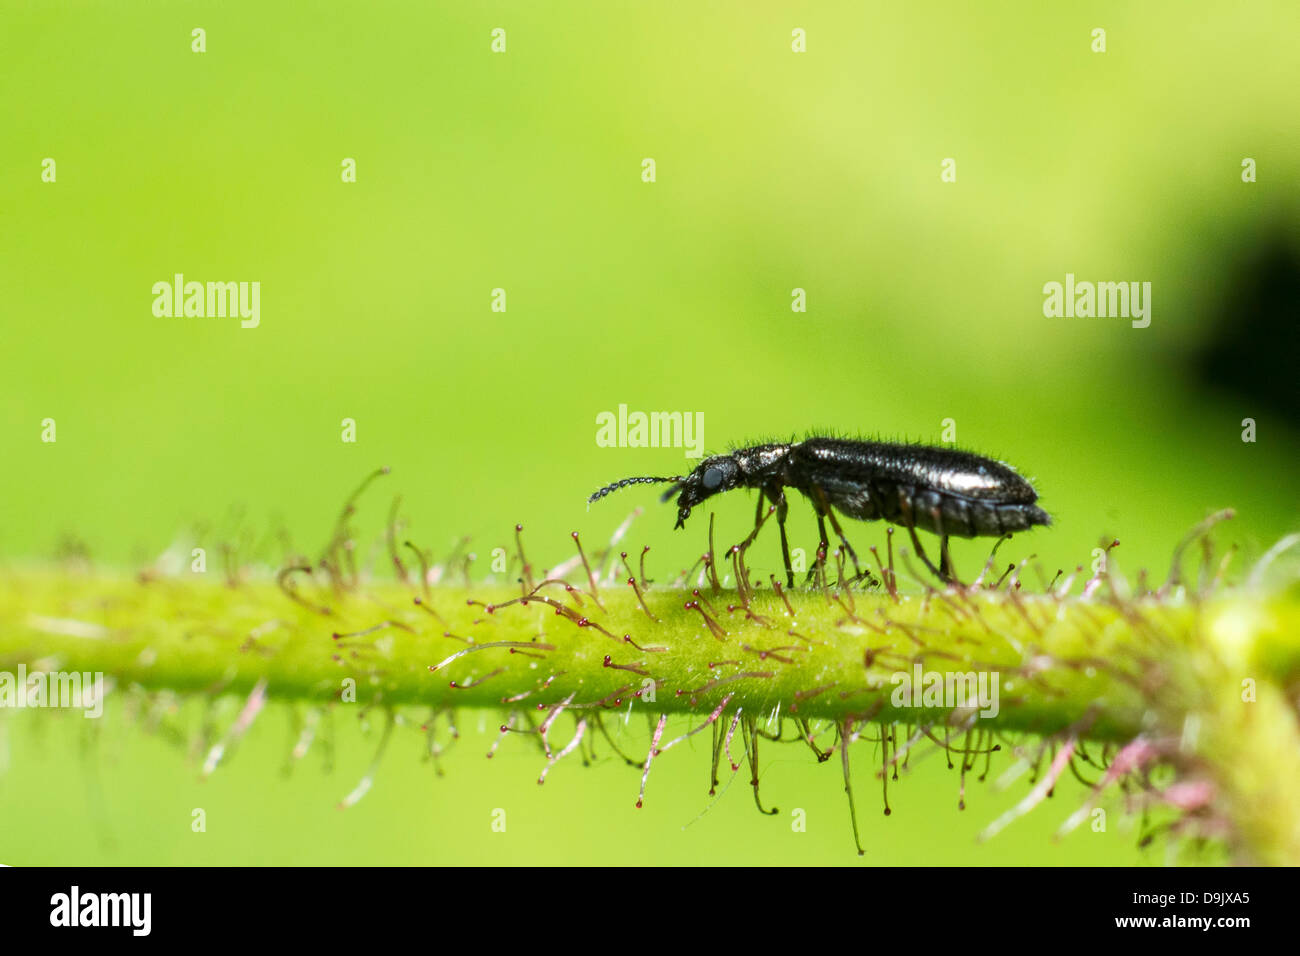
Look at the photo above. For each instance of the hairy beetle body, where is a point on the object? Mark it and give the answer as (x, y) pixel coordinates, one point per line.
(941, 490)
(948, 492)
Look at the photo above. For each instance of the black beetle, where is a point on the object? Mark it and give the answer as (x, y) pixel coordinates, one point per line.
(941, 490)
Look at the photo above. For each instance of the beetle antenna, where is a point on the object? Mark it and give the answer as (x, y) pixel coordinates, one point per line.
(628, 481)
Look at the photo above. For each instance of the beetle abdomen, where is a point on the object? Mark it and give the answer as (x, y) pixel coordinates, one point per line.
(936, 489)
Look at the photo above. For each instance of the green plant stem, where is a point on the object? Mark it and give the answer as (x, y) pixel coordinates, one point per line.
(193, 634)
(1105, 669)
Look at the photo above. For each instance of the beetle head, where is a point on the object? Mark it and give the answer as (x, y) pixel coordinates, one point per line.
(713, 476)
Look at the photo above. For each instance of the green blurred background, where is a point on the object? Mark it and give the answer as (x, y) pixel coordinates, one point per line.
(522, 171)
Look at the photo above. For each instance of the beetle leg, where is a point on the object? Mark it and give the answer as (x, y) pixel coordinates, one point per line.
(823, 546)
(759, 518)
(909, 521)
(821, 505)
(857, 570)
(816, 498)
(777, 498)
(945, 559)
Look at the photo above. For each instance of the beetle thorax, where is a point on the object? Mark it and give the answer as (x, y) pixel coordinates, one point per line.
(760, 462)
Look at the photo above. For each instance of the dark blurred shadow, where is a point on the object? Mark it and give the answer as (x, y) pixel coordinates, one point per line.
(1253, 348)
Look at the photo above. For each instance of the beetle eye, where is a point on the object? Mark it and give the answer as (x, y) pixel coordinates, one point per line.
(712, 478)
